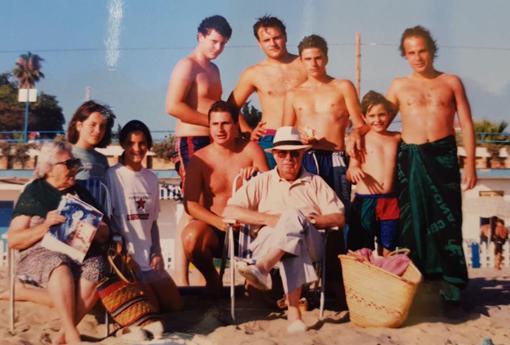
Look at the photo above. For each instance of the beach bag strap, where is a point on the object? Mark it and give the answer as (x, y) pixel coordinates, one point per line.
(118, 270)
(405, 251)
(121, 263)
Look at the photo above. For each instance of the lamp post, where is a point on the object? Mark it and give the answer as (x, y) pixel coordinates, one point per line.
(27, 96)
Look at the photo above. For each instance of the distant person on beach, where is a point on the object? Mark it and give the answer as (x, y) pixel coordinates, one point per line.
(209, 186)
(271, 78)
(194, 86)
(374, 211)
(48, 277)
(91, 128)
(486, 231)
(429, 182)
(135, 202)
(500, 238)
(289, 204)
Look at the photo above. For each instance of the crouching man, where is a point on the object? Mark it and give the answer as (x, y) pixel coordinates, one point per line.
(289, 204)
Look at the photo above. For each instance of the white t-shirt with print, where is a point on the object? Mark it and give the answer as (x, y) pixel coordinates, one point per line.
(135, 203)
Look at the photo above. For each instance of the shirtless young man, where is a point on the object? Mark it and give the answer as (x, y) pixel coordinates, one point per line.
(193, 87)
(374, 211)
(321, 108)
(270, 79)
(428, 173)
(209, 186)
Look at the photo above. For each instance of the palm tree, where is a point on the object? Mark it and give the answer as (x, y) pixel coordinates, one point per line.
(28, 70)
(492, 136)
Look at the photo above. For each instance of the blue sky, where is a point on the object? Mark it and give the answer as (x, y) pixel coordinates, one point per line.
(154, 34)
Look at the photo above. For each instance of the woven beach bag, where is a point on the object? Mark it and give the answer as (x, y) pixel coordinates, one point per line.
(375, 297)
(123, 296)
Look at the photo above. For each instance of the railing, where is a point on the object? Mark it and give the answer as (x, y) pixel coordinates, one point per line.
(486, 138)
(42, 136)
(481, 255)
(160, 135)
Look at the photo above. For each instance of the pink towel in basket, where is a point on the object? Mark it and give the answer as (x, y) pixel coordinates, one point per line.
(396, 264)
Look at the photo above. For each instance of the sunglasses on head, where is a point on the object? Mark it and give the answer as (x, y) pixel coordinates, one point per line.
(283, 153)
(71, 163)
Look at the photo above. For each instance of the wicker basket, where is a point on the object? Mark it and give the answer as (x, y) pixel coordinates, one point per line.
(375, 297)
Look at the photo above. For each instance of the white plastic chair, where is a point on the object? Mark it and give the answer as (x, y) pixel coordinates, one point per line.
(11, 269)
(229, 249)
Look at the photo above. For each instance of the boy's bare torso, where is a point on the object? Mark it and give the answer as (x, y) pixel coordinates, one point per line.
(380, 161)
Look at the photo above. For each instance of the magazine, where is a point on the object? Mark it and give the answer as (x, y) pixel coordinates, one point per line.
(74, 236)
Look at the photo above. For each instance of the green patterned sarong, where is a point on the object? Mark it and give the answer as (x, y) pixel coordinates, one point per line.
(431, 212)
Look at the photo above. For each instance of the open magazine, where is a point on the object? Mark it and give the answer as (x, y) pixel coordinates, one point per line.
(74, 236)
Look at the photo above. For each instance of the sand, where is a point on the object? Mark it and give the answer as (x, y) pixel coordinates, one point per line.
(485, 314)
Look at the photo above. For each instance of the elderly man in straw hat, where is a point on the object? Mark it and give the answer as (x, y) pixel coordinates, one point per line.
(289, 204)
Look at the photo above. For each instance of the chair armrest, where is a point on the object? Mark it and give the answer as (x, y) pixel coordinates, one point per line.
(230, 221)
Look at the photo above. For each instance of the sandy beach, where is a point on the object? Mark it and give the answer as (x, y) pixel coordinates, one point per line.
(485, 314)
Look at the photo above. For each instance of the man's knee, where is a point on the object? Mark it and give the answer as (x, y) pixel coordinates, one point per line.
(197, 239)
(191, 239)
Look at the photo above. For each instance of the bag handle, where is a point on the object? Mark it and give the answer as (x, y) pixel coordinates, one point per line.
(405, 251)
(112, 254)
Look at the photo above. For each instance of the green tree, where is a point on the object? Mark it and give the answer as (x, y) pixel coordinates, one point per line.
(165, 149)
(46, 114)
(251, 114)
(28, 70)
(492, 136)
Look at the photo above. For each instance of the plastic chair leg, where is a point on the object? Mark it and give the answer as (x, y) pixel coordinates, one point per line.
(232, 272)
(12, 279)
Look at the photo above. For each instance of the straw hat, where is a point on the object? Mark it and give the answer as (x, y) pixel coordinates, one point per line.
(287, 138)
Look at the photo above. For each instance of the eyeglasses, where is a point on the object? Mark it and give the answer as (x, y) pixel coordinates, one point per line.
(71, 163)
(283, 153)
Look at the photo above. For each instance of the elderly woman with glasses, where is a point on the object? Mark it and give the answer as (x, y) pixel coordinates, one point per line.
(51, 277)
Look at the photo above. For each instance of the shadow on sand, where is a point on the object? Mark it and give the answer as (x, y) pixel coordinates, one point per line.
(477, 299)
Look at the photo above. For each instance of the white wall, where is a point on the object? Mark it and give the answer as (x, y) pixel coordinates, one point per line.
(474, 206)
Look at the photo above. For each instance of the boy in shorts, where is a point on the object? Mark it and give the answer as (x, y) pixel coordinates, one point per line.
(375, 212)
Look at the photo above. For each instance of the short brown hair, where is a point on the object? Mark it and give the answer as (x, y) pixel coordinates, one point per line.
(372, 98)
(217, 23)
(222, 106)
(268, 22)
(419, 31)
(313, 41)
(82, 113)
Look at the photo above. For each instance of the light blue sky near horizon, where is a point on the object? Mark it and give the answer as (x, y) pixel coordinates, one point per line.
(70, 35)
